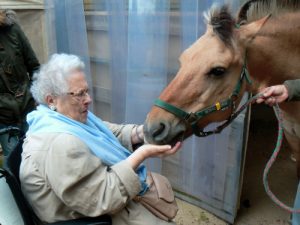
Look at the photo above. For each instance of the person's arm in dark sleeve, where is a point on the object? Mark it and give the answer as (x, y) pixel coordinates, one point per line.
(30, 59)
(293, 87)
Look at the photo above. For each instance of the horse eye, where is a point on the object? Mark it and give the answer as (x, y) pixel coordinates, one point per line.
(217, 71)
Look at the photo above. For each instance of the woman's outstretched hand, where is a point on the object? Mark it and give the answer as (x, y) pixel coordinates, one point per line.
(273, 94)
(150, 151)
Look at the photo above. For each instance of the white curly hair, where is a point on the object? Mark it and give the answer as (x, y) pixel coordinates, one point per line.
(51, 79)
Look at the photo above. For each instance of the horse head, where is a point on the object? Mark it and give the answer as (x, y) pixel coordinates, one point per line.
(210, 82)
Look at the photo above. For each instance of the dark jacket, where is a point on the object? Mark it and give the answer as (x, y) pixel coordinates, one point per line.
(293, 87)
(17, 64)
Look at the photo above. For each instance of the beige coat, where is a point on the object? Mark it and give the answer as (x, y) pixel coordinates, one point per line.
(63, 180)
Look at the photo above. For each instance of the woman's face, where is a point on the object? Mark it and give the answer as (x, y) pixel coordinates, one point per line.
(75, 102)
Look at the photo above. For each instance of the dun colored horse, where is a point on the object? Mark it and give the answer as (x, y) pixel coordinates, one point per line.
(258, 49)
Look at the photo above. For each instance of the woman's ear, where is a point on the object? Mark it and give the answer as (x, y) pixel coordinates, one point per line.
(50, 100)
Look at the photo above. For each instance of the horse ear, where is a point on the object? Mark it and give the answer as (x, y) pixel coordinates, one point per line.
(247, 32)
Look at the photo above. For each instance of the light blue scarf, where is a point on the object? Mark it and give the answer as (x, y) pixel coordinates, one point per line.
(93, 133)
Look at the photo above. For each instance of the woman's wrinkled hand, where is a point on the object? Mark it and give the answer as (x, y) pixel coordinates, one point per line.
(151, 151)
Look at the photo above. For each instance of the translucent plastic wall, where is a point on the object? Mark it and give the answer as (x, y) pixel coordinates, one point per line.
(133, 48)
(66, 30)
(142, 39)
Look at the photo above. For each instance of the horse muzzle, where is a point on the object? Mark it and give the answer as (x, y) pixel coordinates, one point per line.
(163, 131)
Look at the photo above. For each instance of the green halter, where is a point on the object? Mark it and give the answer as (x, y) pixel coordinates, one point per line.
(193, 118)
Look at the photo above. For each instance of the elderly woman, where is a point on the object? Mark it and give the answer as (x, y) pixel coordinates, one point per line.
(75, 165)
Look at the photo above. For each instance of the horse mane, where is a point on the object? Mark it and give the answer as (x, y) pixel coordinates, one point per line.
(222, 22)
(256, 9)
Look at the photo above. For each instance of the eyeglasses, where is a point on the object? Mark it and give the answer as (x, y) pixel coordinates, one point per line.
(80, 95)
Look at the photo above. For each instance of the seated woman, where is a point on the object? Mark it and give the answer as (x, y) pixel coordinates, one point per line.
(74, 164)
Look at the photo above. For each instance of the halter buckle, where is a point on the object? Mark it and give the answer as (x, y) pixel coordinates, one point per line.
(190, 118)
(201, 133)
(233, 100)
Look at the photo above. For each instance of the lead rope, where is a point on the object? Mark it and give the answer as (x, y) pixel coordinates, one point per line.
(272, 159)
(274, 155)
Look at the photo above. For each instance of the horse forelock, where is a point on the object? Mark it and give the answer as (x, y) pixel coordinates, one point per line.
(256, 9)
(222, 22)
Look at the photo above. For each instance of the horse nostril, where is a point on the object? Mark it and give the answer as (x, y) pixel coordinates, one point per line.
(163, 132)
(159, 130)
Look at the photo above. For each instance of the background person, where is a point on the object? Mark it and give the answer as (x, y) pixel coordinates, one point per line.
(74, 164)
(17, 64)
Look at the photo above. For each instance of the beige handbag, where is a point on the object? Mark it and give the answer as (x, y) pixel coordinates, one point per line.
(159, 199)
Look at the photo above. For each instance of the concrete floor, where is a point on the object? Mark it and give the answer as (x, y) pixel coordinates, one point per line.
(256, 208)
